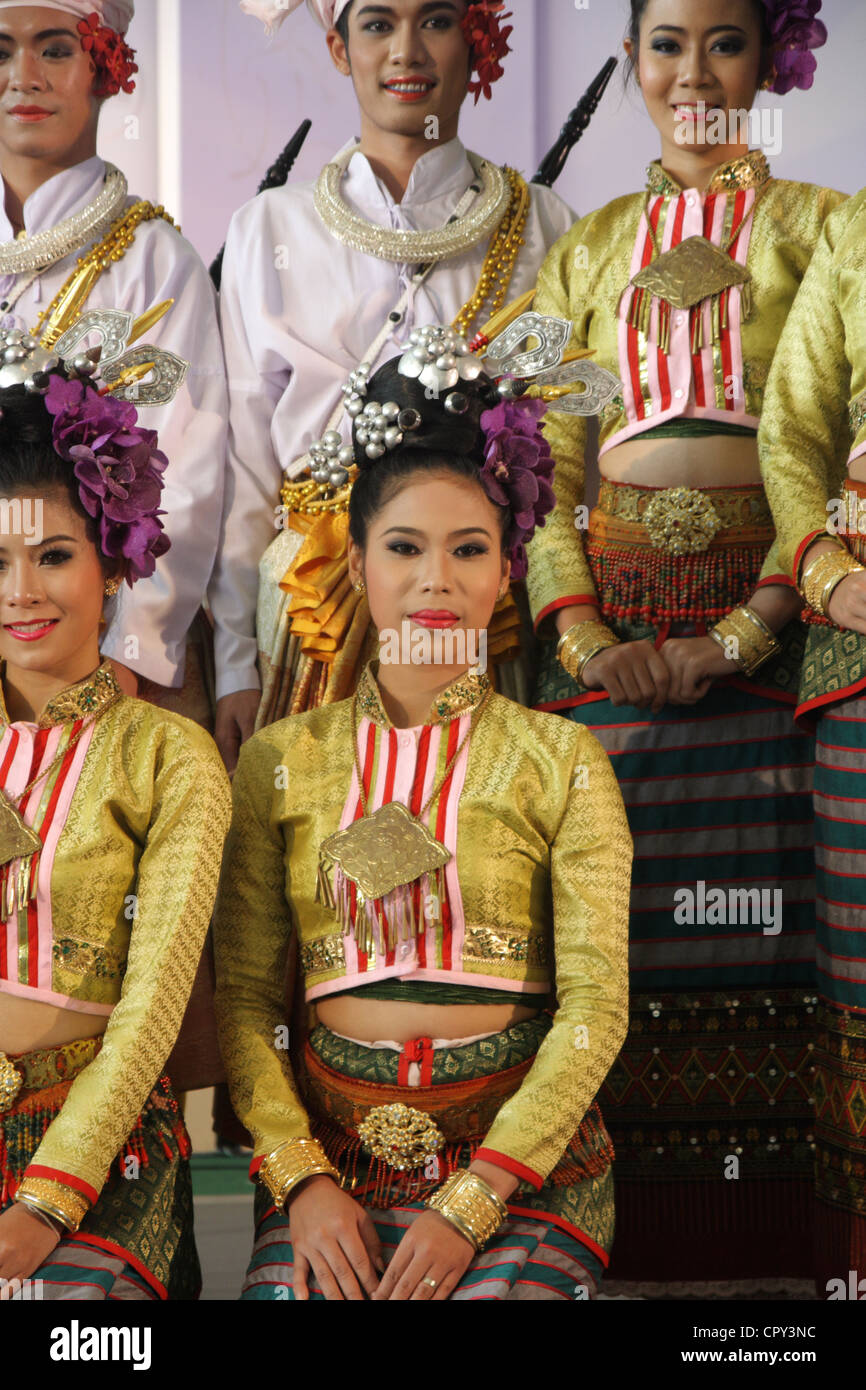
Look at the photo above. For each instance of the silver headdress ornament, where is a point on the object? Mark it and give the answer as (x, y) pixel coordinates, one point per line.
(144, 375)
(440, 359)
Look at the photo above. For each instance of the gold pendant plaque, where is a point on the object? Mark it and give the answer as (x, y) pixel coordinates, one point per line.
(17, 840)
(692, 272)
(385, 851)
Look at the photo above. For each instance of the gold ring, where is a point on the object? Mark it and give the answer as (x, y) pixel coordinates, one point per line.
(431, 1283)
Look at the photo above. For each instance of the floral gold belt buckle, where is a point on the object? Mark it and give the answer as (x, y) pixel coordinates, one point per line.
(400, 1136)
(11, 1082)
(682, 521)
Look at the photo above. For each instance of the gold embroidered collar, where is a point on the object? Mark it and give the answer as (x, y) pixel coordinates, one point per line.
(463, 696)
(76, 701)
(746, 171)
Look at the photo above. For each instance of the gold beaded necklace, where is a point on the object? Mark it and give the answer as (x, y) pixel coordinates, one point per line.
(66, 304)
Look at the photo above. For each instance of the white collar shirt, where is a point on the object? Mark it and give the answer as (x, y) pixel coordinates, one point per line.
(148, 624)
(299, 311)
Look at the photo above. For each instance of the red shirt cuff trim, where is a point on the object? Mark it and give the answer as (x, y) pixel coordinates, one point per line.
(575, 601)
(36, 1170)
(511, 1166)
(784, 579)
(803, 547)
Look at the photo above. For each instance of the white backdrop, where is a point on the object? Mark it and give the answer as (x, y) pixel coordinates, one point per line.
(217, 101)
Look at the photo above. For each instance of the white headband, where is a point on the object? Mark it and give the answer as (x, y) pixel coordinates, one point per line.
(116, 14)
(273, 12)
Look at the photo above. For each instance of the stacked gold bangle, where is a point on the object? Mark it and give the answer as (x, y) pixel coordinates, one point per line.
(581, 643)
(472, 1207)
(290, 1163)
(825, 574)
(54, 1200)
(756, 642)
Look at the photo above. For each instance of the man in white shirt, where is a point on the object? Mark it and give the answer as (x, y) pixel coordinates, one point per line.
(60, 200)
(301, 306)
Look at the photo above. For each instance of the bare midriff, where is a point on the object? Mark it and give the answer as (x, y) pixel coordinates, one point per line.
(713, 461)
(381, 1020)
(26, 1025)
(857, 469)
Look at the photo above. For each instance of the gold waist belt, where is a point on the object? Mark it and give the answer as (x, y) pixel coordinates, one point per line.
(681, 520)
(36, 1071)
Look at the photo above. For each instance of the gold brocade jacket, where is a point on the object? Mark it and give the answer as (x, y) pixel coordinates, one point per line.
(537, 895)
(815, 415)
(711, 362)
(111, 914)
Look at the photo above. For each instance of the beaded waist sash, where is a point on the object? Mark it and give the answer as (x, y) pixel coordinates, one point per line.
(662, 555)
(36, 1071)
(351, 1092)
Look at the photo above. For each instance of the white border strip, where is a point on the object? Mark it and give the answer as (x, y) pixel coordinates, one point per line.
(169, 113)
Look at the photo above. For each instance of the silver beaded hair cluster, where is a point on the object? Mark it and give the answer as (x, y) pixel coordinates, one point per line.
(376, 429)
(23, 361)
(440, 359)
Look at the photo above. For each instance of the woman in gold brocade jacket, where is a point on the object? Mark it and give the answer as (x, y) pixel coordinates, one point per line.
(813, 460)
(680, 645)
(448, 867)
(112, 818)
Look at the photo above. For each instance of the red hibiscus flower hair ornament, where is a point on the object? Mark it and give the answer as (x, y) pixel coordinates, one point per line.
(111, 55)
(488, 40)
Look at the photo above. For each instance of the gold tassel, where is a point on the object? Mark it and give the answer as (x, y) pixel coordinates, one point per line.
(68, 309)
(746, 301)
(664, 326)
(716, 318)
(726, 299)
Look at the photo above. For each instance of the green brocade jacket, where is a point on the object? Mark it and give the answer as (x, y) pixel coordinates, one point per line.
(814, 424)
(536, 895)
(109, 917)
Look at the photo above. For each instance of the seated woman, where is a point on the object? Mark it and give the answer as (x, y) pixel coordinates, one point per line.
(447, 865)
(112, 819)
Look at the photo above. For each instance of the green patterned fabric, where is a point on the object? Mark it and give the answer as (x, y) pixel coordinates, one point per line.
(834, 663)
(486, 1058)
(399, 991)
(531, 1257)
(144, 1213)
(555, 689)
(683, 428)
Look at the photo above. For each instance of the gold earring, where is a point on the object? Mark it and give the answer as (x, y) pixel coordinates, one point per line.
(360, 587)
(112, 586)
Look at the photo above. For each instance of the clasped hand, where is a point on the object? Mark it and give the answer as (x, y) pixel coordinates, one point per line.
(679, 673)
(335, 1238)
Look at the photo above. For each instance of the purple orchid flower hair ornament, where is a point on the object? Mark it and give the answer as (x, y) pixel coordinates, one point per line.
(117, 465)
(796, 32)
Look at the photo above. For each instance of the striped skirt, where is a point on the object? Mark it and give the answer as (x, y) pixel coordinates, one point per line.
(137, 1242)
(710, 1101)
(840, 1082)
(555, 1242)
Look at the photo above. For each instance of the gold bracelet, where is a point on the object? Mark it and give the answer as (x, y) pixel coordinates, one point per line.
(824, 575)
(756, 642)
(291, 1163)
(54, 1199)
(471, 1205)
(581, 643)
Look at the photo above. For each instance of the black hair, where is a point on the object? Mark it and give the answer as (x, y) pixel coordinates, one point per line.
(342, 24)
(443, 443)
(638, 9)
(29, 463)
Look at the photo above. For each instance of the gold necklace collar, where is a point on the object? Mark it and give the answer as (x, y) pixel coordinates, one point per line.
(76, 701)
(463, 696)
(750, 170)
